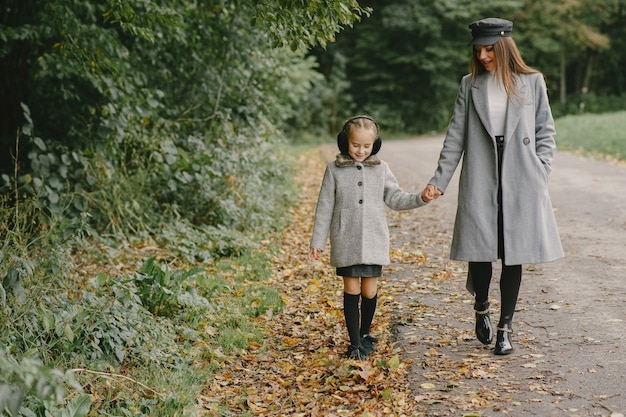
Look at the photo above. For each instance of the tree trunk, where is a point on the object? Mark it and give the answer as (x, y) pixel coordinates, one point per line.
(563, 89)
(587, 77)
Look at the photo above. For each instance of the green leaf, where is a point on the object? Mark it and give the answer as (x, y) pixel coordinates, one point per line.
(67, 331)
(40, 143)
(78, 407)
(386, 393)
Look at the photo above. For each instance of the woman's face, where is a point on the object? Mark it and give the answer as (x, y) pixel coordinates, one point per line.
(361, 143)
(486, 55)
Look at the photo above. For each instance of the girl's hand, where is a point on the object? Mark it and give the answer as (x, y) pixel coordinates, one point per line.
(314, 255)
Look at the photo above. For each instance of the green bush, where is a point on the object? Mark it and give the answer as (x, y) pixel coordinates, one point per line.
(163, 291)
(27, 386)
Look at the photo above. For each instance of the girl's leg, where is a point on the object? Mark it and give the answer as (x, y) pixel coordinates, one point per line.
(369, 298)
(351, 295)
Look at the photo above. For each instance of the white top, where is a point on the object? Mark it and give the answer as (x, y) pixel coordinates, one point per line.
(497, 104)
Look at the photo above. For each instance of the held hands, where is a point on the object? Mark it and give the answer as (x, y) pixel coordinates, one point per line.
(431, 193)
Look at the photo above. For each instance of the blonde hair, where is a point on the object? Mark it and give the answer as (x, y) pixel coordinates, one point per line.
(509, 62)
(361, 122)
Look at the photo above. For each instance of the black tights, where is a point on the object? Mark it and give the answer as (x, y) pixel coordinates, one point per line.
(510, 282)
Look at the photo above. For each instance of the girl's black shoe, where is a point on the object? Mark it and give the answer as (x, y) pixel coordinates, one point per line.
(504, 346)
(356, 352)
(367, 342)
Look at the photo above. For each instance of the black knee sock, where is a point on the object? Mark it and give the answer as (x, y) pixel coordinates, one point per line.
(368, 308)
(481, 277)
(351, 313)
(510, 282)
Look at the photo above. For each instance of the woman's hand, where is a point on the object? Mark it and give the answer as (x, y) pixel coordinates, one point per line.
(431, 193)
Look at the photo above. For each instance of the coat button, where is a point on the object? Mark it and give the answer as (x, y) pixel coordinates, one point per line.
(526, 141)
(360, 183)
(360, 201)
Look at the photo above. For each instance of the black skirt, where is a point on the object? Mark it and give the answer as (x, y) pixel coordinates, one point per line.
(363, 271)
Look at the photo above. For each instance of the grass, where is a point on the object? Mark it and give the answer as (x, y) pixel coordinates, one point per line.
(598, 135)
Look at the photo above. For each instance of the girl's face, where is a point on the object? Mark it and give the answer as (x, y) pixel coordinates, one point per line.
(486, 55)
(361, 143)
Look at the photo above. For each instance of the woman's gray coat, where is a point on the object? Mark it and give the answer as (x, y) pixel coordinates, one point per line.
(530, 230)
(351, 207)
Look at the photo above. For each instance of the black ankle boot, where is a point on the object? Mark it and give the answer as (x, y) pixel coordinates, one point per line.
(484, 330)
(503, 340)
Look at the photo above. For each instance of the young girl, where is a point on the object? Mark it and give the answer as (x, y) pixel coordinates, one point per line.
(351, 207)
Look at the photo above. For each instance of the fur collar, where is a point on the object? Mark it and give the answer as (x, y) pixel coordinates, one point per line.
(347, 161)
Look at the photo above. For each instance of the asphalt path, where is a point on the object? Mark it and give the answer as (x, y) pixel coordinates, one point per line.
(569, 329)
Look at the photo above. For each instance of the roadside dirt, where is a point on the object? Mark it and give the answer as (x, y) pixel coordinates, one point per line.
(570, 343)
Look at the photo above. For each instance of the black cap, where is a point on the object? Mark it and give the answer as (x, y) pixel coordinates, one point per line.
(489, 31)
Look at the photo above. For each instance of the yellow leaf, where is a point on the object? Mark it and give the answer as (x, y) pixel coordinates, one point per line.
(290, 341)
(431, 352)
(394, 362)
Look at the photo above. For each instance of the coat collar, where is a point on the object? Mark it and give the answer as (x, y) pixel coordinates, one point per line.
(513, 110)
(348, 161)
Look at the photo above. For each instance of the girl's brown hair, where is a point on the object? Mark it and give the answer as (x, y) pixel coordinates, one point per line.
(509, 62)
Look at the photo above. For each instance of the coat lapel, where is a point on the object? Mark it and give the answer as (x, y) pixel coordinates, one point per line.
(481, 101)
(514, 108)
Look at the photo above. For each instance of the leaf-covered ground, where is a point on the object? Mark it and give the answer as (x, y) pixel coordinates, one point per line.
(428, 362)
(301, 368)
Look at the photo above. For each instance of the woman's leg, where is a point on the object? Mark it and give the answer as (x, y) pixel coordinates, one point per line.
(480, 273)
(481, 277)
(510, 282)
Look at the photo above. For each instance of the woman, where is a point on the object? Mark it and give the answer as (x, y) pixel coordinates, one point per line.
(502, 128)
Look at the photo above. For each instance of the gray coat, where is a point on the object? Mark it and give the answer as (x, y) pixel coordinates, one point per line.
(530, 230)
(351, 207)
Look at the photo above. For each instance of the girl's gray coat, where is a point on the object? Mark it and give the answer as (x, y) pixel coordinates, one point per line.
(530, 230)
(351, 207)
